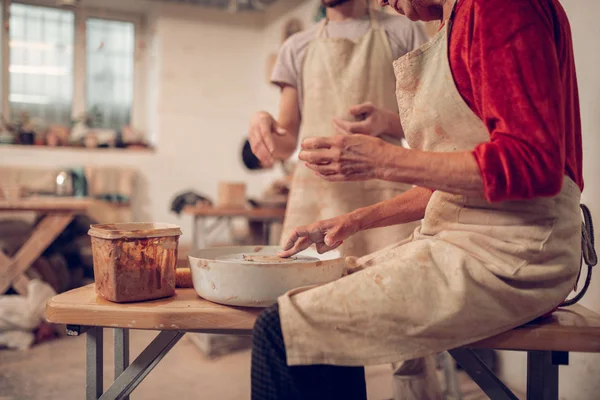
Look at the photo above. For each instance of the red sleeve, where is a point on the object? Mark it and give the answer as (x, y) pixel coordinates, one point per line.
(511, 55)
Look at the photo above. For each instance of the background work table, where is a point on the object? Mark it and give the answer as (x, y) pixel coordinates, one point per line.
(55, 213)
(267, 216)
(546, 341)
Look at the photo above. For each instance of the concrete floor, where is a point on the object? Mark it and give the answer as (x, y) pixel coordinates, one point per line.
(56, 370)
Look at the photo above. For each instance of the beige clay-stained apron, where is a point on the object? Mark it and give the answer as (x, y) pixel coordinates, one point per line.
(470, 271)
(338, 74)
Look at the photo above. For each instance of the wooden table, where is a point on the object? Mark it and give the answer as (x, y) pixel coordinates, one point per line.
(84, 312)
(547, 341)
(57, 213)
(200, 230)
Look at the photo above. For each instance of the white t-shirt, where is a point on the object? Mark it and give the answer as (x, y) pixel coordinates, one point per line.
(403, 35)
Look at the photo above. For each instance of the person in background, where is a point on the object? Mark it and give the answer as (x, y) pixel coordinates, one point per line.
(492, 120)
(331, 74)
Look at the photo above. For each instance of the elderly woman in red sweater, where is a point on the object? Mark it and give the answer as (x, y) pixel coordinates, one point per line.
(490, 110)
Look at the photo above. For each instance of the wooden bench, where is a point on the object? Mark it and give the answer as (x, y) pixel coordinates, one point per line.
(547, 342)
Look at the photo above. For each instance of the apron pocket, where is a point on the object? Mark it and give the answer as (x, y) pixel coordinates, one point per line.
(511, 235)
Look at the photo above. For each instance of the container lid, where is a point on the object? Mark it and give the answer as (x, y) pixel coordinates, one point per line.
(138, 230)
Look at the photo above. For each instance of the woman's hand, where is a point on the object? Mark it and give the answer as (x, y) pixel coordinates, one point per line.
(345, 157)
(373, 121)
(327, 235)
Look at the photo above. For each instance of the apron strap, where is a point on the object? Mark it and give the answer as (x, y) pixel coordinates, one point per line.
(453, 11)
(330, 75)
(588, 255)
(373, 18)
(321, 30)
(448, 24)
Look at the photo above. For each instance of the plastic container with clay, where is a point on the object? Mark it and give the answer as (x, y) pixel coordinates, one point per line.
(134, 262)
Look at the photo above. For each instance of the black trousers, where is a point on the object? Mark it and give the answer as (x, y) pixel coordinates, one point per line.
(273, 379)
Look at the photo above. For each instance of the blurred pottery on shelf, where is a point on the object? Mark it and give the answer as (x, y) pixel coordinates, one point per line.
(90, 140)
(130, 135)
(57, 135)
(106, 137)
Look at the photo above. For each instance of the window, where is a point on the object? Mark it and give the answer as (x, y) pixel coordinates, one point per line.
(41, 62)
(109, 62)
(59, 68)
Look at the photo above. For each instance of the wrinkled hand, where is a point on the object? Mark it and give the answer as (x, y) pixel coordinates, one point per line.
(262, 129)
(328, 235)
(344, 157)
(373, 121)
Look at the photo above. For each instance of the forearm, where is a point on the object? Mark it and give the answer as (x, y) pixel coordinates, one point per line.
(289, 120)
(454, 172)
(285, 145)
(407, 207)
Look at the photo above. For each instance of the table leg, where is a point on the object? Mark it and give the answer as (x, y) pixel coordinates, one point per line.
(266, 232)
(142, 365)
(450, 376)
(542, 374)
(5, 261)
(482, 375)
(121, 352)
(6, 264)
(229, 223)
(43, 235)
(94, 363)
(195, 233)
(201, 222)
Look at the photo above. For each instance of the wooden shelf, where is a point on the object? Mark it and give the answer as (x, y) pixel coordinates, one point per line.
(74, 148)
(52, 203)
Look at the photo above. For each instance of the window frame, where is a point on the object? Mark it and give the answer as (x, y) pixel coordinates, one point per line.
(81, 14)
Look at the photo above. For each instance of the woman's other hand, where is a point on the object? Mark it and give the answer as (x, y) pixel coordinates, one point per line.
(372, 121)
(345, 157)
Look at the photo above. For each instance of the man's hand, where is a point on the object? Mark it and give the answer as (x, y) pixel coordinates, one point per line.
(263, 128)
(327, 235)
(372, 121)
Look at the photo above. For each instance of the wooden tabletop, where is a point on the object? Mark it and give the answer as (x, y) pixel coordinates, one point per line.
(49, 203)
(250, 213)
(184, 311)
(570, 329)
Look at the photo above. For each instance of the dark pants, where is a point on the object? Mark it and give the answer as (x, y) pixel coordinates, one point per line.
(273, 379)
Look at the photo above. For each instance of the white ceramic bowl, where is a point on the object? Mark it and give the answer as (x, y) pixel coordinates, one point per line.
(221, 274)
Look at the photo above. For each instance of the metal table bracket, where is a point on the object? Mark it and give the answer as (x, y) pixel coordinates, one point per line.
(482, 375)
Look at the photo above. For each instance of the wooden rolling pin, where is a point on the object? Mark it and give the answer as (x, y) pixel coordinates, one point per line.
(183, 278)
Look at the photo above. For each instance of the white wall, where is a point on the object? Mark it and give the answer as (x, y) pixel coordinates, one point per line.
(205, 78)
(579, 381)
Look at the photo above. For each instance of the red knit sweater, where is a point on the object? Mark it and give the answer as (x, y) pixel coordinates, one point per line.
(512, 61)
